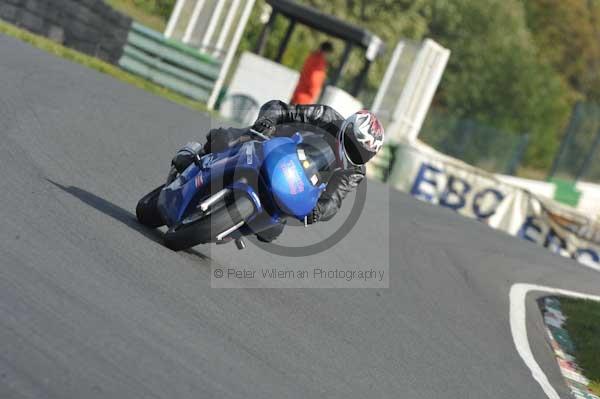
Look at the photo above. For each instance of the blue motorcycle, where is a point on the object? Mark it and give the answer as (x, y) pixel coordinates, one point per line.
(249, 188)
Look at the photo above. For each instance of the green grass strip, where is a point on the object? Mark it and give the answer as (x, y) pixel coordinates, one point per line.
(99, 65)
(583, 325)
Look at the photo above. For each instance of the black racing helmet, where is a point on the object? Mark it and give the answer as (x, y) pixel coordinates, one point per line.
(361, 137)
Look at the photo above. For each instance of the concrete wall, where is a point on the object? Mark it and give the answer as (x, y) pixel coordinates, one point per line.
(89, 26)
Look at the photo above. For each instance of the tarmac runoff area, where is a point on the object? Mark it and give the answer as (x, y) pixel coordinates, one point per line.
(92, 305)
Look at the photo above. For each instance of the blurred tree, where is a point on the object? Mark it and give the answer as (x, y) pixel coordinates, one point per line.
(568, 37)
(495, 75)
(163, 7)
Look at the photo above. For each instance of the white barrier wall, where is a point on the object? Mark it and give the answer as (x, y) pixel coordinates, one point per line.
(537, 187)
(438, 179)
(260, 80)
(341, 101)
(589, 202)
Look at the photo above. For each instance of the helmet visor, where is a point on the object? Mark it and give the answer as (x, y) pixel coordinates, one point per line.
(354, 151)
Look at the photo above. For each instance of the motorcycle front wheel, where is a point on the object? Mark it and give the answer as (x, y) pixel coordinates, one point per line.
(147, 209)
(207, 227)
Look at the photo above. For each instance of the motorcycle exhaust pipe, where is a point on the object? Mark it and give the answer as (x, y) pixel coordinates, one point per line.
(213, 199)
(230, 230)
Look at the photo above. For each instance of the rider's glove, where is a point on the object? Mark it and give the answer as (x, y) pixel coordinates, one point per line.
(264, 126)
(186, 155)
(313, 216)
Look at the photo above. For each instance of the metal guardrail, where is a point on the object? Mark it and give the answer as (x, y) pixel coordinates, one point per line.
(169, 63)
(578, 157)
(473, 142)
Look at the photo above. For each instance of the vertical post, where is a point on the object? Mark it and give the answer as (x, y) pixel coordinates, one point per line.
(174, 18)
(340, 70)
(569, 132)
(387, 79)
(360, 79)
(230, 53)
(193, 21)
(235, 4)
(212, 24)
(589, 157)
(286, 40)
(518, 155)
(264, 34)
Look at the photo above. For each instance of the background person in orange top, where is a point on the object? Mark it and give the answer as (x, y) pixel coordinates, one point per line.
(312, 76)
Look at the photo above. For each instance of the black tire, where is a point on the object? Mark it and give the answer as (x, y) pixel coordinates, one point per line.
(147, 210)
(206, 229)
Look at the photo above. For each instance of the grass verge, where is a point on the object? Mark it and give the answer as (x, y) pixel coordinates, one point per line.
(595, 387)
(583, 325)
(133, 9)
(99, 65)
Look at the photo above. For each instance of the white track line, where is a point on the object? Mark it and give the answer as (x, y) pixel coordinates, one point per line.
(518, 328)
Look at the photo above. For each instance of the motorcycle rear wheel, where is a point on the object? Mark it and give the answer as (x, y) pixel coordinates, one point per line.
(205, 229)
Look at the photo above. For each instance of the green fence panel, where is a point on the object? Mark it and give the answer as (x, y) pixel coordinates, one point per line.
(160, 65)
(172, 55)
(139, 68)
(158, 37)
(169, 63)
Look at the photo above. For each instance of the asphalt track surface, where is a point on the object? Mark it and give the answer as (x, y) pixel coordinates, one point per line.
(93, 306)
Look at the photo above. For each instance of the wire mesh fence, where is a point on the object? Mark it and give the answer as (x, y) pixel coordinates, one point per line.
(474, 143)
(578, 157)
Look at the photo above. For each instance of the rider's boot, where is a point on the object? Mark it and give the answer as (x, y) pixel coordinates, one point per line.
(271, 233)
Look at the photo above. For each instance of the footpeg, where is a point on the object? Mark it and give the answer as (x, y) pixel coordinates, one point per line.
(240, 243)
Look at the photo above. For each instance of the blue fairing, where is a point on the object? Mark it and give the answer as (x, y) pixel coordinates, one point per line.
(274, 162)
(291, 189)
(175, 198)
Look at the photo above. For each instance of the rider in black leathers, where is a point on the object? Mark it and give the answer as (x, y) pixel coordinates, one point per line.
(326, 121)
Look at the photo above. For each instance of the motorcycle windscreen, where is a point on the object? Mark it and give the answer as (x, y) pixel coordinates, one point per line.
(317, 158)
